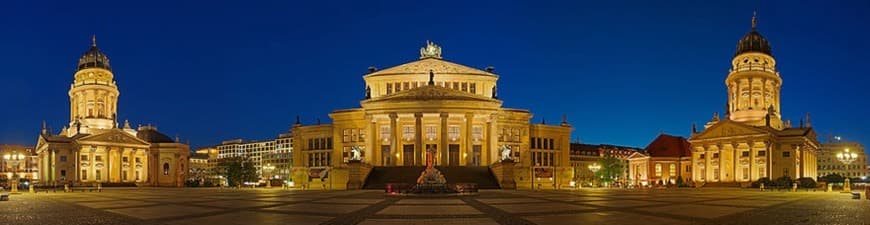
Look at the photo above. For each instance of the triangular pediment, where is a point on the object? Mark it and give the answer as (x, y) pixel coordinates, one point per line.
(113, 136)
(729, 128)
(432, 92)
(438, 66)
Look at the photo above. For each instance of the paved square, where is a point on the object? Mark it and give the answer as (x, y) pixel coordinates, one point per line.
(155, 206)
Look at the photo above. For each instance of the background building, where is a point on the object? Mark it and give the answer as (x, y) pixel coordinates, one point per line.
(664, 161)
(95, 149)
(753, 141)
(272, 158)
(830, 164)
(584, 155)
(18, 162)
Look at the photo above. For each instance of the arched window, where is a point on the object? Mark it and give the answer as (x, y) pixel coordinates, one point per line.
(165, 168)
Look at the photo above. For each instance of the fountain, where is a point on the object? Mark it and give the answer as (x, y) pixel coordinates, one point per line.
(431, 183)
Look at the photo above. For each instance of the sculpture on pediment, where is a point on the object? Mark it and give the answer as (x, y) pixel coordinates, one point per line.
(431, 50)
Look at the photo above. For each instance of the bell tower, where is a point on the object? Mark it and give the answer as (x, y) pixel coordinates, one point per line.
(754, 83)
(93, 94)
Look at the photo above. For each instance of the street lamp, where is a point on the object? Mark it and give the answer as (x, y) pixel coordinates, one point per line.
(847, 157)
(594, 168)
(269, 168)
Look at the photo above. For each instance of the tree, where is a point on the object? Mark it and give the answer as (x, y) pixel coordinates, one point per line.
(611, 168)
(806, 182)
(832, 178)
(237, 171)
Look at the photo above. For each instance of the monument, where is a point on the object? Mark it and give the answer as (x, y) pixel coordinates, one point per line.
(431, 180)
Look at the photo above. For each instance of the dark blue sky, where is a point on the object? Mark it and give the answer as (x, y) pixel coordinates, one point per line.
(622, 71)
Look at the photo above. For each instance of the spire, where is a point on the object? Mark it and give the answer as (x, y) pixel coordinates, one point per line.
(543, 120)
(177, 140)
(94, 40)
(431, 78)
(754, 19)
(298, 122)
(694, 128)
(564, 121)
(44, 128)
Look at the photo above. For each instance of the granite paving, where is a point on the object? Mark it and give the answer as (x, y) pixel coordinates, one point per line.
(213, 206)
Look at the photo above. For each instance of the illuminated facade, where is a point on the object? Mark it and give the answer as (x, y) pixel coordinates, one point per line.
(752, 141)
(18, 162)
(664, 161)
(430, 104)
(830, 163)
(272, 158)
(94, 149)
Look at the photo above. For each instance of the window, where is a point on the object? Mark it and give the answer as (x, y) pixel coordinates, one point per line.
(84, 174)
(672, 170)
(98, 174)
(398, 87)
(98, 158)
(464, 87)
(476, 133)
(345, 135)
(63, 158)
(389, 88)
(715, 173)
(84, 158)
(715, 155)
(473, 88)
(658, 169)
(453, 133)
(431, 132)
(762, 153)
(455, 85)
(165, 168)
(124, 175)
(786, 154)
(406, 86)
(125, 159)
(745, 173)
(408, 132)
(744, 153)
(385, 132)
(785, 172)
(762, 172)
(701, 156)
(138, 160)
(362, 134)
(62, 174)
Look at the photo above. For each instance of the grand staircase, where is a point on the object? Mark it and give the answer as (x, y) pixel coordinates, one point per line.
(380, 176)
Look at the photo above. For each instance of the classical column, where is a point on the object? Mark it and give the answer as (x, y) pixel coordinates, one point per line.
(418, 138)
(394, 139)
(374, 154)
(708, 168)
(752, 153)
(734, 159)
(443, 145)
(487, 150)
(466, 151)
(694, 163)
(719, 148)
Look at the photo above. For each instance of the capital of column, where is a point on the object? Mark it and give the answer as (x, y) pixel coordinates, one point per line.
(444, 115)
(394, 115)
(418, 115)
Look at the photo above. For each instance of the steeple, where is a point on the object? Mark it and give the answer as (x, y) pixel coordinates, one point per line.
(44, 128)
(808, 121)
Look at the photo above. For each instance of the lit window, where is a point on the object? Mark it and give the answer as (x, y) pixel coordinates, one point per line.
(672, 170)
(431, 132)
(658, 170)
(453, 133)
(408, 132)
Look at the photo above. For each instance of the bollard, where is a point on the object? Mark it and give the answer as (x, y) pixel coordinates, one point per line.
(66, 188)
(794, 187)
(99, 187)
(762, 186)
(30, 188)
(830, 187)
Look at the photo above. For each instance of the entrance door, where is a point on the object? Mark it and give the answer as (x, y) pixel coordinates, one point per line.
(454, 155)
(408, 155)
(475, 155)
(386, 156)
(434, 149)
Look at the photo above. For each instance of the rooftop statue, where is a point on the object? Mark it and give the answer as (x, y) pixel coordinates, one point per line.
(431, 50)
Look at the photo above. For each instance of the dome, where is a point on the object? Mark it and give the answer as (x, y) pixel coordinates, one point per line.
(94, 58)
(753, 42)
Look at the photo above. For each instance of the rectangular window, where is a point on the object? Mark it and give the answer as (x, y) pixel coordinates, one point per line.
(786, 154)
(408, 132)
(464, 87)
(84, 174)
(715, 155)
(745, 173)
(385, 132)
(552, 144)
(455, 85)
(345, 135)
(389, 88)
(431, 132)
(701, 156)
(125, 159)
(515, 135)
(138, 160)
(84, 158)
(406, 86)
(98, 175)
(63, 158)
(453, 133)
(473, 88)
(362, 134)
(715, 173)
(744, 153)
(501, 134)
(762, 153)
(477, 133)
(413, 85)
(672, 170)
(62, 174)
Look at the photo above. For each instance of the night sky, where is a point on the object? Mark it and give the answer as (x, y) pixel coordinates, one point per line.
(622, 71)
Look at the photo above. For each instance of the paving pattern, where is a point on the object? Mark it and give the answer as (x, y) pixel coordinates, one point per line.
(225, 206)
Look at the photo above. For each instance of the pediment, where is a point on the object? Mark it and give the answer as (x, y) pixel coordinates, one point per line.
(432, 92)
(114, 136)
(423, 66)
(728, 128)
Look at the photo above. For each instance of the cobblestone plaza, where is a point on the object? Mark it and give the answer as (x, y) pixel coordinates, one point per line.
(217, 206)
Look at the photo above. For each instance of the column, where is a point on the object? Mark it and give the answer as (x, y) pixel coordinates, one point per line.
(721, 162)
(374, 155)
(466, 151)
(418, 139)
(694, 163)
(752, 169)
(443, 145)
(492, 139)
(394, 138)
(708, 168)
(735, 162)
(487, 150)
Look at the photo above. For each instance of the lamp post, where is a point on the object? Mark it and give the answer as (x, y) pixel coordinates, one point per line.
(594, 168)
(14, 160)
(847, 157)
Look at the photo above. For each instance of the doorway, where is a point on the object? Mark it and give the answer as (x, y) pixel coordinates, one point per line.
(386, 156)
(408, 155)
(454, 155)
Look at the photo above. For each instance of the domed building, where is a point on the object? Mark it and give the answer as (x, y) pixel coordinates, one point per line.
(94, 149)
(753, 141)
(431, 105)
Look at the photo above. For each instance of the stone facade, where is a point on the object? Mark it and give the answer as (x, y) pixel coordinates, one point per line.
(752, 141)
(829, 164)
(93, 149)
(431, 104)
